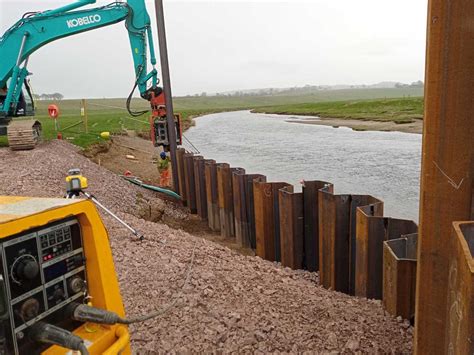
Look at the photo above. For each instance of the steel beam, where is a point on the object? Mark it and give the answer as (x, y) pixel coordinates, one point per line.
(165, 74)
(267, 219)
(337, 237)
(372, 231)
(181, 176)
(188, 159)
(212, 195)
(447, 161)
(291, 228)
(311, 223)
(226, 200)
(200, 185)
(250, 203)
(399, 276)
(240, 209)
(460, 332)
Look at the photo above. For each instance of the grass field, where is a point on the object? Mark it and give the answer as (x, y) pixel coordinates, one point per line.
(110, 114)
(397, 110)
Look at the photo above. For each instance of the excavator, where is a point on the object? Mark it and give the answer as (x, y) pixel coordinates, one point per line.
(36, 29)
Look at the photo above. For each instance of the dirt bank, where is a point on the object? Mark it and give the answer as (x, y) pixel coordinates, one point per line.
(366, 125)
(112, 156)
(231, 302)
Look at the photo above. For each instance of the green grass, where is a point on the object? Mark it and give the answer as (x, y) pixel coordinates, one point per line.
(400, 111)
(103, 115)
(244, 102)
(110, 114)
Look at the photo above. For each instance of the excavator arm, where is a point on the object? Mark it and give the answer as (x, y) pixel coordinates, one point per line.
(37, 29)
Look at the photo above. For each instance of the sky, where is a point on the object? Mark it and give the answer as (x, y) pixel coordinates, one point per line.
(218, 46)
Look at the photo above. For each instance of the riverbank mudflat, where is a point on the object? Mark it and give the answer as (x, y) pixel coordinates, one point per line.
(366, 125)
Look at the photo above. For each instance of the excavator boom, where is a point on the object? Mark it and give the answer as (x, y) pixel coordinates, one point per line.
(36, 29)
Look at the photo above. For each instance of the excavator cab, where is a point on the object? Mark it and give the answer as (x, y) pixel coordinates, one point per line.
(22, 134)
(25, 105)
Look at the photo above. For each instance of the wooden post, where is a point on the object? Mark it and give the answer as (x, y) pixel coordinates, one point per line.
(447, 164)
(84, 114)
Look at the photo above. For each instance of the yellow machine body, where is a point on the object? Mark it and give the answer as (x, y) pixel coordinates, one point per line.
(20, 214)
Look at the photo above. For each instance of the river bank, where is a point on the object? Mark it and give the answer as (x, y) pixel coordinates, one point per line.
(401, 105)
(400, 114)
(365, 125)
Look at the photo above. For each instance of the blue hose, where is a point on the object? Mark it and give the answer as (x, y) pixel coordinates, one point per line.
(138, 182)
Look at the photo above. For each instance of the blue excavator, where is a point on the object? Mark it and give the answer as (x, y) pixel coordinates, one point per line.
(36, 29)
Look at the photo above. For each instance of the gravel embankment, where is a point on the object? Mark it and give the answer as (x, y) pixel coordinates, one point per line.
(231, 302)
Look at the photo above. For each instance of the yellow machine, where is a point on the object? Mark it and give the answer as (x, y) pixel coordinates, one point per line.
(55, 260)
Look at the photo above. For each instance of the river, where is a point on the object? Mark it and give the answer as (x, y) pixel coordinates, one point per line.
(383, 164)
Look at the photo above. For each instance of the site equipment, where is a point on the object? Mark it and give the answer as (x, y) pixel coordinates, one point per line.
(55, 262)
(75, 186)
(36, 29)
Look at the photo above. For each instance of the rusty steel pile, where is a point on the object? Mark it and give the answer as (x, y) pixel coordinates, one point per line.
(346, 238)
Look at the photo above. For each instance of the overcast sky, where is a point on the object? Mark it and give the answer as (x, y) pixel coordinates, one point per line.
(217, 46)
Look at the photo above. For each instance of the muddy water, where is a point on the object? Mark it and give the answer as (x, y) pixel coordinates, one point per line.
(383, 164)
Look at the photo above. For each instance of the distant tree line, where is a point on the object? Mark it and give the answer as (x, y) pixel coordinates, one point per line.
(56, 96)
(415, 84)
(309, 89)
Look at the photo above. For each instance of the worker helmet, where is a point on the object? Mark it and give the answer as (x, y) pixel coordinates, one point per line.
(163, 155)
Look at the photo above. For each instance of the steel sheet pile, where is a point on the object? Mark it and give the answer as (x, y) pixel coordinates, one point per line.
(341, 236)
(231, 302)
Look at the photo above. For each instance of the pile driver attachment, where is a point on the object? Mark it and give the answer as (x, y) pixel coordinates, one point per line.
(158, 124)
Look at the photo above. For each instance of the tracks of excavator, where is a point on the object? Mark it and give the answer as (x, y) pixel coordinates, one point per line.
(23, 134)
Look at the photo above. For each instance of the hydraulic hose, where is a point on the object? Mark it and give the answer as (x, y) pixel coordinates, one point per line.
(129, 99)
(50, 334)
(85, 313)
(138, 182)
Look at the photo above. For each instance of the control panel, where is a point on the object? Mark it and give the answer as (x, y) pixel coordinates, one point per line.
(41, 272)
